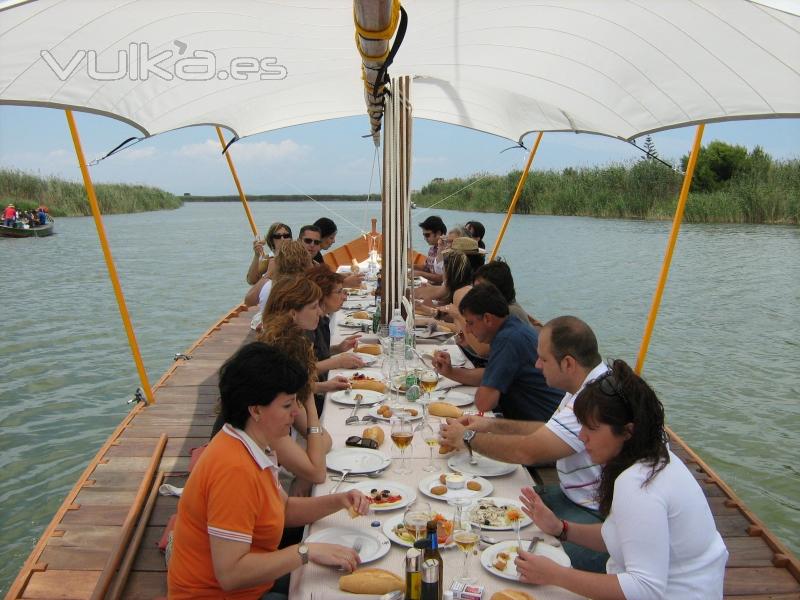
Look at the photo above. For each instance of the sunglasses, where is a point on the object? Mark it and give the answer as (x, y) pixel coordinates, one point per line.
(359, 442)
(609, 385)
(281, 236)
(312, 241)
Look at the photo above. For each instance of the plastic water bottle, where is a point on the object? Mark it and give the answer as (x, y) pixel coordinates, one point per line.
(397, 334)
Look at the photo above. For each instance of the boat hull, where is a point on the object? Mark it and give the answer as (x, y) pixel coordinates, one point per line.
(17, 232)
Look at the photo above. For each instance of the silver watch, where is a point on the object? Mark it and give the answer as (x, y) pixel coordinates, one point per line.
(302, 550)
(468, 435)
(311, 430)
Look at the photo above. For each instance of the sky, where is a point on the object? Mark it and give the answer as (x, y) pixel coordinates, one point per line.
(329, 157)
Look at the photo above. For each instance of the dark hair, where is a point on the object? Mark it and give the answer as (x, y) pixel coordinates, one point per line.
(616, 399)
(305, 228)
(326, 226)
(254, 376)
(271, 231)
(478, 231)
(457, 272)
(573, 337)
(326, 279)
(434, 223)
(498, 273)
(484, 298)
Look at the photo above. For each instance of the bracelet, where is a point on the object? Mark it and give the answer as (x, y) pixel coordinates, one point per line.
(311, 430)
(564, 529)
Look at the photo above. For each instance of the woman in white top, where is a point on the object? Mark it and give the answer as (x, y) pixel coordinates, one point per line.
(659, 529)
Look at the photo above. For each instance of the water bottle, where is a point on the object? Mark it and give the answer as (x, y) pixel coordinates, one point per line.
(397, 334)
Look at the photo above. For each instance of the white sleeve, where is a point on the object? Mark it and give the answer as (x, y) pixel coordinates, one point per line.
(642, 529)
(565, 425)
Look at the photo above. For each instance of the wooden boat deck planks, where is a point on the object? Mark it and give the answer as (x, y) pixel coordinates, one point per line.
(68, 560)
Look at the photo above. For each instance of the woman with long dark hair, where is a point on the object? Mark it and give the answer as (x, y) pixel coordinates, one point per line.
(659, 529)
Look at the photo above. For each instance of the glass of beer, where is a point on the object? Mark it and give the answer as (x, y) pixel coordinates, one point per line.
(402, 434)
(466, 537)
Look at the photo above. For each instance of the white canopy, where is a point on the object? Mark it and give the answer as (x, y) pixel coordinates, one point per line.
(616, 67)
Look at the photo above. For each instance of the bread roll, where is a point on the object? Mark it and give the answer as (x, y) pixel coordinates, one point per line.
(373, 349)
(368, 384)
(361, 314)
(444, 409)
(445, 449)
(374, 433)
(371, 581)
(508, 594)
(439, 490)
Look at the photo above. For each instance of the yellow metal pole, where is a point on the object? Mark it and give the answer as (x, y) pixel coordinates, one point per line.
(517, 194)
(673, 238)
(112, 270)
(242, 197)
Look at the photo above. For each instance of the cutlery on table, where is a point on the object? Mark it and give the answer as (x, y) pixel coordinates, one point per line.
(345, 473)
(534, 542)
(353, 419)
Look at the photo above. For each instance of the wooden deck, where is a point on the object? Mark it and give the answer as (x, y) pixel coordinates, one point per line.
(77, 548)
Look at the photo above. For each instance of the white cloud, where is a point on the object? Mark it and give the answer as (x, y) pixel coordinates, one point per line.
(138, 153)
(247, 151)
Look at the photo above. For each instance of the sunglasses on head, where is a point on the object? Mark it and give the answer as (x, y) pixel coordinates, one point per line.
(312, 241)
(609, 385)
(281, 236)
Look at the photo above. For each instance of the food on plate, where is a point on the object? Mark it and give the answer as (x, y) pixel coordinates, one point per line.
(454, 481)
(513, 514)
(500, 564)
(488, 513)
(373, 349)
(444, 529)
(439, 490)
(404, 534)
(383, 497)
(511, 595)
(360, 381)
(474, 486)
(445, 449)
(444, 409)
(385, 411)
(371, 581)
(411, 411)
(374, 433)
(361, 314)
(443, 478)
(503, 556)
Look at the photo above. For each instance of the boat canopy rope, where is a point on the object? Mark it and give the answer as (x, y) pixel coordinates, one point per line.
(652, 156)
(369, 189)
(118, 148)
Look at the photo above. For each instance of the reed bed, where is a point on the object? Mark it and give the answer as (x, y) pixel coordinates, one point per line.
(68, 199)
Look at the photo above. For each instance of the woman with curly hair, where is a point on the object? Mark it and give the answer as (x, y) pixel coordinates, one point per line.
(659, 529)
(277, 235)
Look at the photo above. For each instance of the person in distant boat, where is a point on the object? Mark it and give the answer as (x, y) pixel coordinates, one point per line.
(659, 529)
(311, 237)
(327, 229)
(9, 216)
(432, 229)
(476, 231)
(42, 215)
(277, 235)
(510, 383)
(233, 511)
(569, 359)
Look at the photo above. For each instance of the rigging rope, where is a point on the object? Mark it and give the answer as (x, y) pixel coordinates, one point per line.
(369, 190)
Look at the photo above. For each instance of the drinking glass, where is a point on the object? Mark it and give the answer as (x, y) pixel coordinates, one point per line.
(431, 437)
(466, 536)
(402, 434)
(428, 381)
(416, 518)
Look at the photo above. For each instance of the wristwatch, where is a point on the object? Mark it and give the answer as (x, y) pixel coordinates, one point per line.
(311, 430)
(468, 435)
(302, 550)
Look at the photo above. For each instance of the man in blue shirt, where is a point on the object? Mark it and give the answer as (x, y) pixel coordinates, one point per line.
(510, 383)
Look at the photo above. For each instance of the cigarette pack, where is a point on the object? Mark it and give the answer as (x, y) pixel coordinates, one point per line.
(466, 591)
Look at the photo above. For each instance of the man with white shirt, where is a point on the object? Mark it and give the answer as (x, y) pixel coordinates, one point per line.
(569, 359)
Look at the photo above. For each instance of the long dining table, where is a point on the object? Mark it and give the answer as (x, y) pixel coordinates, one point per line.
(315, 582)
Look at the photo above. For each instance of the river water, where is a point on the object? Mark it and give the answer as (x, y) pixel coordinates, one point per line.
(724, 358)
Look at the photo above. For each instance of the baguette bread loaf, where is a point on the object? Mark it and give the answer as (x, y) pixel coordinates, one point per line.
(373, 349)
(508, 594)
(368, 384)
(445, 449)
(361, 314)
(371, 581)
(444, 409)
(374, 433)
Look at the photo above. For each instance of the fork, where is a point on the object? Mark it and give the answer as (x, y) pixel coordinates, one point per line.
(472, 459)
(534, 542)
(353, 419)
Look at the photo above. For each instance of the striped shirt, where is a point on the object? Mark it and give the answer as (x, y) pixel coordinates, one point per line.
(578, 475)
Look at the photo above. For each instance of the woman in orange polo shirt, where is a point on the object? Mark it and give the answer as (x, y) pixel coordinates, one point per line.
(233, 511)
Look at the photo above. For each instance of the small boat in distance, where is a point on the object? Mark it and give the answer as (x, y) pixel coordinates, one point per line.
(20, 232)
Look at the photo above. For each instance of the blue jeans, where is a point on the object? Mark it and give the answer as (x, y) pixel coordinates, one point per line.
(564, 508)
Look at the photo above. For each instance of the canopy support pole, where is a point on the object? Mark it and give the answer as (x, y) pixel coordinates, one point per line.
(112, 270)
(242, 197)
(521, 184)
(673, 238)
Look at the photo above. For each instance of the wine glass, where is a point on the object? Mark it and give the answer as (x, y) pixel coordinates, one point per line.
(466, 536)
(431, 437)
(428, 382)
(514, 516)
(416, 518)
(402, 434)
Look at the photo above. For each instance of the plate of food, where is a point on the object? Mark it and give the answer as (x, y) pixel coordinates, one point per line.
(356, 292)
(386, 495)
(367, 359)
(498, 559)
(486, 467)
(454, 486)
(457, 358)
(394, 529)
(384, 412)
(367, 380)
(454, 397)
(497, 513)
(374, 544)
(354, 323)
(357, 460)
(350, 397)
(357, 304)
(361, 314)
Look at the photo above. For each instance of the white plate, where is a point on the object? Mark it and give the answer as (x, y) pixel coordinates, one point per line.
(524, 522)
(427, 483)
(354, 323)
(510, 572)
(408, 494)
(374, 544)
(354, 293)
(367, 359)
(457, 358)
(395, 409)
(454, 398)
(368, 397)
(487, 467)
(357, 304)
(388, 530)
(357, 460)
